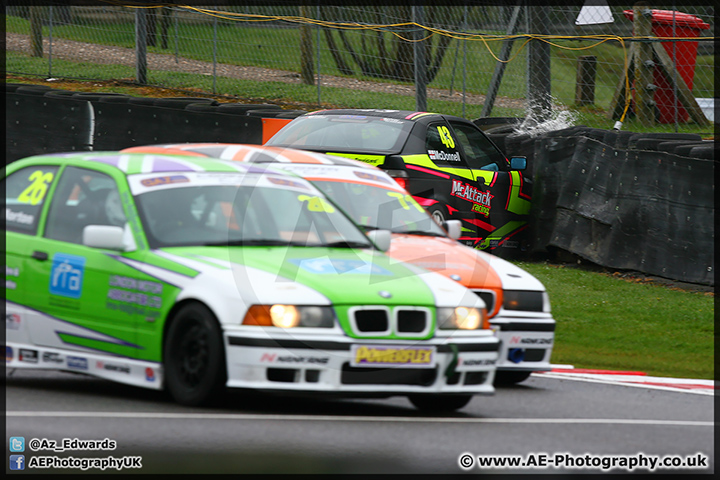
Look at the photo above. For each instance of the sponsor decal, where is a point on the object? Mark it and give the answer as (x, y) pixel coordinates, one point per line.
(77, 363)
(8, 354)
(473, 194)
(370, 176)
(66, 275)
(19, 217)
(165, 180)
(135, 297)
(476, 362)
(443, 156)
(112, 367)
(28, 356)
(12, 321)
(149, 374)
(11, 272)
(325, 266)
(371, 356)
(275, 358)
(51, 357)
(286, 183)
(516, 340)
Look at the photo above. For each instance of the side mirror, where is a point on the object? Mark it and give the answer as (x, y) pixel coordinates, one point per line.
(381, 239)
(518, 163)
(104, 236)
(454, 228)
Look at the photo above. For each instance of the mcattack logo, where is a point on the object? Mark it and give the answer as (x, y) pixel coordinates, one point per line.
(478, 197)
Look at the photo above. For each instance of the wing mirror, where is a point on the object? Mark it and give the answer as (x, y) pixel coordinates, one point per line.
(109, 237)
(453, 228)
(518, 163)
(381, 239)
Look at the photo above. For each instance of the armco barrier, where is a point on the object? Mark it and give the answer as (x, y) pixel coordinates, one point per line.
(618, 206)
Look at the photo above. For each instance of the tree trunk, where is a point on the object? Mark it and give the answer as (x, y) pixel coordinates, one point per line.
(36, 38)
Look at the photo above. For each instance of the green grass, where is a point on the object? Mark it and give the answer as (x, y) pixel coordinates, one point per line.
(609, 322)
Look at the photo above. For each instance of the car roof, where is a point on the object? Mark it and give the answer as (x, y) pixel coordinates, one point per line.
(396, 114)
(250, 153)
(135, 163)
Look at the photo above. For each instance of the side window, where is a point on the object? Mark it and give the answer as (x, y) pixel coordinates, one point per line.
(83, 197)
(480, 153)
(442, 147)
(25, 194)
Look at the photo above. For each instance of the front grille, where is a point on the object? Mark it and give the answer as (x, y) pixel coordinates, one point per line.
(488, 297)
(387, 376)
(411, 321)
(368, 321)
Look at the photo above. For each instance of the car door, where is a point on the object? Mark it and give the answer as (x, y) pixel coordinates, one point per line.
(502, 212)
(85, 299)
(26, 194)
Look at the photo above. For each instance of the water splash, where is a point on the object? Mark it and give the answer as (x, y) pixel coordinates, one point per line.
(560, 118)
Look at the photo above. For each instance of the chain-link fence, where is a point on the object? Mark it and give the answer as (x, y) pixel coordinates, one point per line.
(476, 59)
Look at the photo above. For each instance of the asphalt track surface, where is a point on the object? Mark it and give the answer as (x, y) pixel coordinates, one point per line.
(553, 417)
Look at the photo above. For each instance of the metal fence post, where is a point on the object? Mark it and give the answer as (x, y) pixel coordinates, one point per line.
(50, 25)
(141, 46)
(420, 65)
(539, 94)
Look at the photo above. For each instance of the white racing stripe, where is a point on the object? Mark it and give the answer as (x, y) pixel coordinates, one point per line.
(352, 418)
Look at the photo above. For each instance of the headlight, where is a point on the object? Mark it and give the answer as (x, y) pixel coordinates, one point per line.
(463, 318)
(289, 316)
(529, 301)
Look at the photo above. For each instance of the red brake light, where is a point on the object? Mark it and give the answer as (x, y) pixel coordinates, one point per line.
(402, 182)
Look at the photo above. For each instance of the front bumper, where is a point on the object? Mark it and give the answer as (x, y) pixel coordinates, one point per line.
(525, 343)
(324, 363)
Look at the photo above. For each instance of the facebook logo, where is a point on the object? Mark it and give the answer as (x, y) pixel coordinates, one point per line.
(17, 444)
(17, 462)
(66, 276)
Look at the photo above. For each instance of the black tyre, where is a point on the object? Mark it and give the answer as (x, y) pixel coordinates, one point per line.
(439, 213)
(439, 403)
(194, 357)
(510, 378)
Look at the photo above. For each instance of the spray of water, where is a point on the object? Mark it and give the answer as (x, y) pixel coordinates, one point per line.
(559, 119)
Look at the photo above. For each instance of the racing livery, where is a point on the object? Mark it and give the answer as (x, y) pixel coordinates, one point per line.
(193, 275)
(517, 303)
(447, 163)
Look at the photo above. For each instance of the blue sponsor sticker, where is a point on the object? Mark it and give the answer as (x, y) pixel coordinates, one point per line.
(8, 354)
(328, 266)
(78, 363)
(66, 276)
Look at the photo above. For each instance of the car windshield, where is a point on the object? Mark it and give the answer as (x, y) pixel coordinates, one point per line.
(380, 208)
(230, 209)
(344, 132)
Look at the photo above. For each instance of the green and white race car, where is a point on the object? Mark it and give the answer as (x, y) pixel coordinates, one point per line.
(193, 275)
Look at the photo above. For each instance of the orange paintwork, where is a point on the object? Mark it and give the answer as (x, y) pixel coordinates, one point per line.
(448, 257)
(270, 126)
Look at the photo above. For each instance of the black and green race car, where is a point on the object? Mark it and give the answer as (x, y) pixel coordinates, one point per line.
(447, 163)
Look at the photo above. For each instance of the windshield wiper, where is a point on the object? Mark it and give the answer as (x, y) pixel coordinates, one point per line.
(344, 244)
(425, 233)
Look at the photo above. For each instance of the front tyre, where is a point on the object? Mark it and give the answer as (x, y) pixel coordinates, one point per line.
(439, 403)
(194, 357)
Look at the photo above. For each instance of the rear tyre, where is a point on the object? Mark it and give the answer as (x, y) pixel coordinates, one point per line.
(438, 213)
(510, 378)
(194, 357)
(439, 403)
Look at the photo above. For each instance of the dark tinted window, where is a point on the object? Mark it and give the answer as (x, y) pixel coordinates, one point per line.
(479, 152)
